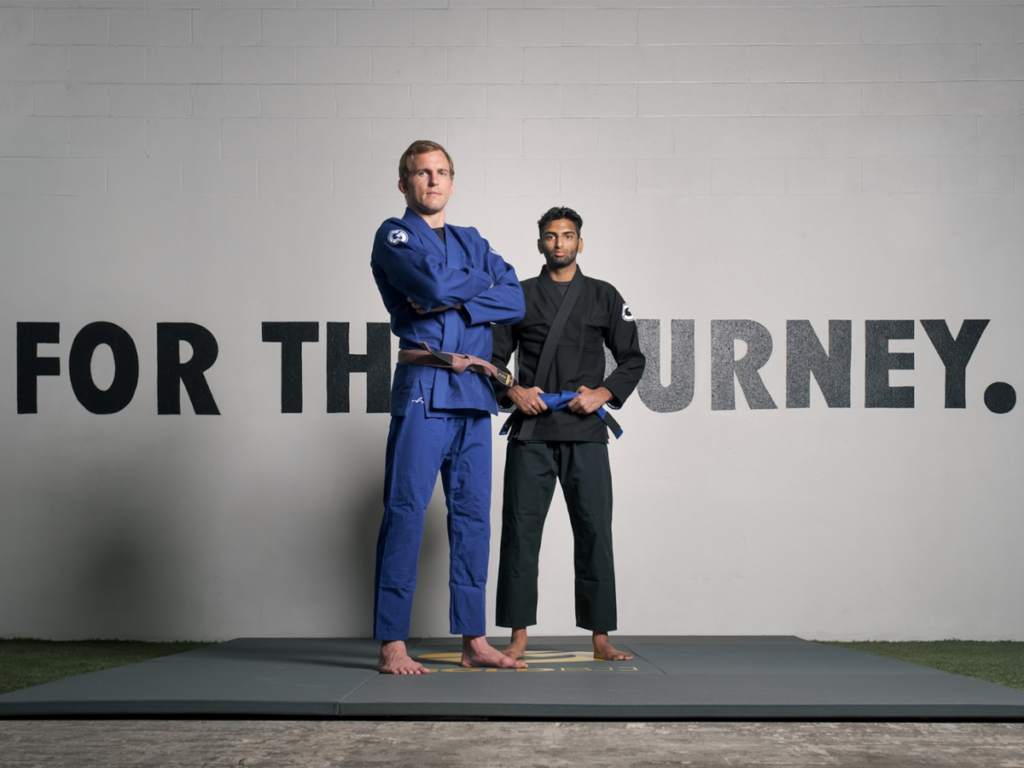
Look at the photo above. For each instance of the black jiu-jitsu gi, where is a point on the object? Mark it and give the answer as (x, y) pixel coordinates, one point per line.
(564, 446)
(440, 420)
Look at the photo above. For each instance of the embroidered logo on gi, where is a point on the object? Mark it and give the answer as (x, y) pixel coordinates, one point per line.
(418, 400)
(626, 314)
(396, 236)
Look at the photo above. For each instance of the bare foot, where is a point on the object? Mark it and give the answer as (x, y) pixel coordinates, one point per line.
(603, 649)
(477, 652)
(395, 660)
(517, 645)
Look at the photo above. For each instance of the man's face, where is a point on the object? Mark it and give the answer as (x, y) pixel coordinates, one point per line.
(560, 243)
(429, 184)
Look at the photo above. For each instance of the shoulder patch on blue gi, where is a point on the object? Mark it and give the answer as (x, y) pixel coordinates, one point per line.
(626, 314)
(396, 236)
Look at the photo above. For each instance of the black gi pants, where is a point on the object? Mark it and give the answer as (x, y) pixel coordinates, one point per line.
(584, 473)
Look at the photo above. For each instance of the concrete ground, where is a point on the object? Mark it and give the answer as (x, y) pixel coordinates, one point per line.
(396, 744)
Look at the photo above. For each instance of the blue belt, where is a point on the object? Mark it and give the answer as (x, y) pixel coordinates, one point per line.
(560, 400)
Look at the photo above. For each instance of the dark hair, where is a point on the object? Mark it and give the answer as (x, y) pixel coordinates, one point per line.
(561, 212)
(421, 147)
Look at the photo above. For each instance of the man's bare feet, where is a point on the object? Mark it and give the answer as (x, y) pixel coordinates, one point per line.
(395, 660)
(517, 645)
(603, 649)
(477, 652)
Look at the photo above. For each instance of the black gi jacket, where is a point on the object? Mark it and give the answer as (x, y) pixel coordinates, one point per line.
(600, 318)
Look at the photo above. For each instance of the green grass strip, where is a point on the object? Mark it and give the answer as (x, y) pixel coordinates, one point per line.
(1000, 662)
(24, 663)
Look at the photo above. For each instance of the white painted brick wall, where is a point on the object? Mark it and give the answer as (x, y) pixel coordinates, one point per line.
(787, 63)
(225, 177)
(521, 177)
(614, 100)
(900, 25)
(107, 136)
(976, 174)
(142, 176)
(449, 100)
(298, 101)
(707, 64)
(480, 139)
(485, 65)
(572, 137)
(743, 176)
(391, 28)
(257, 65)
(15, 175)
(599, 26)
(346, 138)
(60, 99)
(258, 137)
(901, 174)
(237, 27)
(559, 65)
(860, 63)
(300, 176)
(150, 100)
(437, 28)
(298, 27)
(524, 27)
(183, 138)
(70, 26)
(15, 100)
(524, 100)
(997, 61)
(639, 64)
(185, 65)
(34, 137)
(408, 65)
(374, 100)
(137, 26)
(976, 23)
(586, 178)
(332, 65)
(93, 64)
(15, 26)
(225, 100)
(68, 176)
(673, 177)
(949, 61)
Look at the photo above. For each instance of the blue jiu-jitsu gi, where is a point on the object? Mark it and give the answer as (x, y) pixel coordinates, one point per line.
(440, 420)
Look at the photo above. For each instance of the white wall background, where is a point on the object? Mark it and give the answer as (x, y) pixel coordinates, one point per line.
(226, 163)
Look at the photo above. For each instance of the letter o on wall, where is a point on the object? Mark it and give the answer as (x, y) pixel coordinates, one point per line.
(126, 368)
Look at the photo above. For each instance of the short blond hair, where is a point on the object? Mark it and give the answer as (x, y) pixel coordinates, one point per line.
(421, 147)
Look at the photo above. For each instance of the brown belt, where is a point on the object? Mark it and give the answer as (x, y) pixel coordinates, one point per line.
(454, 361)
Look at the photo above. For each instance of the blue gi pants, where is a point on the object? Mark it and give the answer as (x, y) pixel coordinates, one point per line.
(459, 447)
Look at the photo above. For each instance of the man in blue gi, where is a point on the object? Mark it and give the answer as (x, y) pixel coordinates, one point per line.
(443, 286)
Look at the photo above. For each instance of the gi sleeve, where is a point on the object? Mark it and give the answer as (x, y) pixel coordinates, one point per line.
(504, 344)
(503, 301)
(421, 274)
(624, 342)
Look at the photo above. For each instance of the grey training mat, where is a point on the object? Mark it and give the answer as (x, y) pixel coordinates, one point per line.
(684, 678)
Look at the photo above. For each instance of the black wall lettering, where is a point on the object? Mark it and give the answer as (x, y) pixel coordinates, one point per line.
(376, 364)
(291, 337)
(30, 365)
(955, 354)
(879, 361)
(806, 356)
(171, 373)
(726, 369)
(679, 393)
(126, 368)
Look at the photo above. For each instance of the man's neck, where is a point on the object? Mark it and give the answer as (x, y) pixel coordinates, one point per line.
(434, 220)
(561, 274)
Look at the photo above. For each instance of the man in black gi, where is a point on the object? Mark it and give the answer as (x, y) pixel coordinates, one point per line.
(559, 430)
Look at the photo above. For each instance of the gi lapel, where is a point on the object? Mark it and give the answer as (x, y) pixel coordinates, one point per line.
(547, 352)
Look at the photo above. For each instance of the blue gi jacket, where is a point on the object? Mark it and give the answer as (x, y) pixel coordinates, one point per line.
(410, 261)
